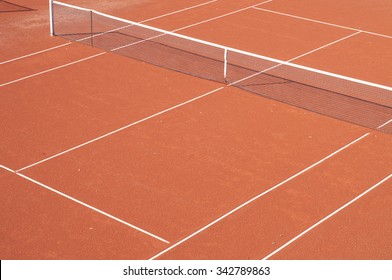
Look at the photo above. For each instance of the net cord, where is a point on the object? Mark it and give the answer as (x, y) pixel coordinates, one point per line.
(70, 6)
(225, 48)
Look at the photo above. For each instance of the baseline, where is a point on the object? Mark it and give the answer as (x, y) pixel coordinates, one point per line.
(90, 57)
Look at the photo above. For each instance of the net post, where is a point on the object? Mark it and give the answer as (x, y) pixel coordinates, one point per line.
(51, 19)
(225, 66)
(91, 28)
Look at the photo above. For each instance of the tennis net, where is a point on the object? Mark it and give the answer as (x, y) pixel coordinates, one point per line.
(348, 99)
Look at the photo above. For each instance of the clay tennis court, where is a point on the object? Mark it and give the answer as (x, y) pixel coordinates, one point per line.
(103, 156)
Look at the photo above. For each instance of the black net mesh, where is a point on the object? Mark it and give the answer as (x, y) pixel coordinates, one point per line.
(343, 99)
(158, 48)
(72, 24)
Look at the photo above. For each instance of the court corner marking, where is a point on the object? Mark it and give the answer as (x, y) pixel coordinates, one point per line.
(258, 196)
(328, 216)
(85, 204)
(8, 169)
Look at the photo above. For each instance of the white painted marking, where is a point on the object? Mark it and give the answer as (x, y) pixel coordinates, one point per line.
(327, 217)
(384, 124)
(122, 128)
(35, 53)
(178, 11)
(93, 208)
(288, 61)
(221, 16)
(258, 196)
(66, 44)
(327, 45)
(85, 204)
(323, 22)
(8, 169)
(51, 69)
(172, 33)
(130, 25)
(72, 6)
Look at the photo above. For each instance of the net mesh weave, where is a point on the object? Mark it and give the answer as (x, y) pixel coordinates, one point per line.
(329, 95)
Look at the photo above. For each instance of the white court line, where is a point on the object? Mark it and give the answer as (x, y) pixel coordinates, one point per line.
(384, 124)
(181, 28)
(8, 169)
(129, 25)
(51, 69)
(93, 208)
(258, 196)
(172, 33)
(327, 217)
(146, 20)
(323, 22)
(61, 66)
(327, 45)
(178, 11)
(221, 16)
(122, 128)
(110, 133)
(35, 53)
(86, 205)
(302, 55)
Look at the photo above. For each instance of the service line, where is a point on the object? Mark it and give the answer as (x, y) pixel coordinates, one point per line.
(323, 22)
(146, 20)
(93, 56)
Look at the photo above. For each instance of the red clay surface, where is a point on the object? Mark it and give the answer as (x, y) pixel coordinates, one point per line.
(177, 172)
(387, 127)
(138, 10)
(370, 59)
(35, 64)
(3, 172)
(360, 232)
(224, 155)
(39, 224)
(274, 219)
(373, 16)
(203, 13)
(285, 38)
(72, 105)
(25, 32)
(9, 7)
